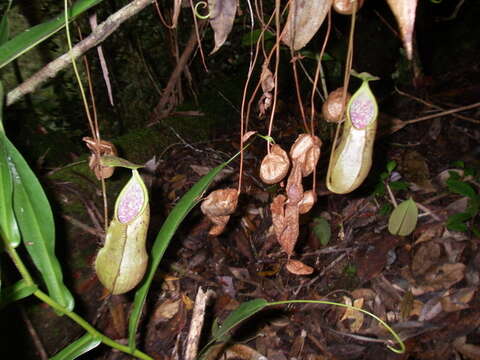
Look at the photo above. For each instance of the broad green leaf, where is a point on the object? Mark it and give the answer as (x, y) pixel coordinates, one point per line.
(322, 230)
(168, 229)
(115, 161)
(4, 30)
(17, 291)
(35, 221)
(33, 36)
(244, 311)
(461, 188)
(391, 165)
(403, 219)
(8, 224)
(79, 347)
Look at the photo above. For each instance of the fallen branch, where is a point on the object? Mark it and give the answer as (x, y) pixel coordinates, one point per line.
(97, 36)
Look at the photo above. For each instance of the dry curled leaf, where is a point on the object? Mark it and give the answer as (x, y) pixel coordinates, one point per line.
(345, 7)
(218, 206)
(274, 165)
(304, 19)
(219, 224)
(268, 84)
(277, 207)
(332, 107)
(248, 135)
(352, 314)
(298, 268)
(404, 11)
(307, 202)
(222, 16)
(306, 152)
(100, 148)
(220, 202)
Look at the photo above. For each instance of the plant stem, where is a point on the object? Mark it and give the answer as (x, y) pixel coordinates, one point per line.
(75, 317)
(89, 328)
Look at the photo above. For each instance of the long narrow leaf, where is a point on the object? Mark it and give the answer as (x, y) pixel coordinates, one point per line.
(36, 34)
(4, 29)
(8, 224)
(17, 291)
(244, 311)
(35, 220)
(171, 224)
(79, 347)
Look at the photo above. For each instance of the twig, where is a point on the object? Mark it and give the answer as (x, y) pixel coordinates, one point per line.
(160, 108)
(196, 324)
(33, 333)
(401, 125)
(429, 104)
(97, 36)
(427, 211)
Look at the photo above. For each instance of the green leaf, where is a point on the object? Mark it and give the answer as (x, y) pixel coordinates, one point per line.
(322, 230)
(35, 220)
(8, 224)
(398, 185)
(17, 291)
(461, 187)
(385, 209)
(168, 229)
(403, 219)
(252, 37)
(391, 165)
(4, 29)
(33, 36)
(457, 226)
(115, 161)
(244, 311)
(79, 347)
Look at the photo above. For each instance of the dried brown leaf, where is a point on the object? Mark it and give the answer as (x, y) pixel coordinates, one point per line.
(294, 185)
(458, 300)
(304, 19)
(470, 351)
(307, 202)
(404, 11)
(345, 7)
(219, 224)
(277, 207)
(220, 202)
(355, 315)
(222, 16)
(101, 148)
(266, 79)
(332, 107)
(440, 277)
(425, 257)
(248, 135)
(274, 166)
(289, 236)
(306, 152)
(298, 268)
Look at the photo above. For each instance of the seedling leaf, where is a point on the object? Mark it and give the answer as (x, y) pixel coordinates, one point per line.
(403, 219)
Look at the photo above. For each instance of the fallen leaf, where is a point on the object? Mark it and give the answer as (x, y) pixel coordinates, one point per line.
(458, 300)
(425, 257)
(166, 310)
(247, 135)
(470, 351)
(440, 277)
(355, 315)
(298, 268)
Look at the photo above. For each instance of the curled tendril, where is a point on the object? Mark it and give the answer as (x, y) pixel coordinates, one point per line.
(204, 5)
